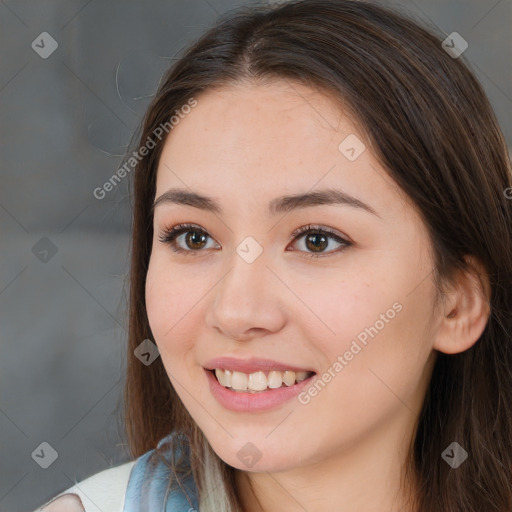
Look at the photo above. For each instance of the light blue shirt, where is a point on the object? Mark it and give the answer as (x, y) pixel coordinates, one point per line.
(148, 487)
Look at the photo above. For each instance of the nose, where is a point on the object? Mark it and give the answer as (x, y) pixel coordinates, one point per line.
(247, 302)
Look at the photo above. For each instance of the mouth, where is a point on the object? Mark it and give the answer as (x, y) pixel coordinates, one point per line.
(260, 381)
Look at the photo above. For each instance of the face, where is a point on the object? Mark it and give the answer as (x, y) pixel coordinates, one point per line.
(352, 303)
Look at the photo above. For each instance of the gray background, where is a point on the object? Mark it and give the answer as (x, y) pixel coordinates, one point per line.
(65, 122)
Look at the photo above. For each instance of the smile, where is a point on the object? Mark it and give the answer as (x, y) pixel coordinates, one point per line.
(259, 381)
(261, 400)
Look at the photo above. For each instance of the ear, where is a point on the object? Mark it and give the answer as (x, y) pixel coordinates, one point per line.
(466, 309)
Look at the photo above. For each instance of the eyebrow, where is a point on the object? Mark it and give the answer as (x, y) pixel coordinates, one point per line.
(283, 204)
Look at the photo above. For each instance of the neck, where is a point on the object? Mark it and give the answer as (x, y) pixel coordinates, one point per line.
(365, 476)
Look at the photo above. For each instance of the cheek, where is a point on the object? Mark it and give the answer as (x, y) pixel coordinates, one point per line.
(339, 310)
(158, 301)
(379, 328)
(173, 305)
(164, 300)
(383, 358)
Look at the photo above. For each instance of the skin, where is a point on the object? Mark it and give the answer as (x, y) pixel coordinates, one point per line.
(245, 145)
(66, 503)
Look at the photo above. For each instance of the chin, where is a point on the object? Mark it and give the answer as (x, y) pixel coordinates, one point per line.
(248, 457)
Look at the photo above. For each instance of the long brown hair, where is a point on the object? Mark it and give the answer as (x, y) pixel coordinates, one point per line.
(432, 128)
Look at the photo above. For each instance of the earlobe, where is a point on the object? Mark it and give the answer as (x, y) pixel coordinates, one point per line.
(467, 310)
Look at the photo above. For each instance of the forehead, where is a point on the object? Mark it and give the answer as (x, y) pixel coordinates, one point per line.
(258, 140)
(274, 113)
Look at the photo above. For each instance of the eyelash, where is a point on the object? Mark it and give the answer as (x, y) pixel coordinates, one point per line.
(169, 235)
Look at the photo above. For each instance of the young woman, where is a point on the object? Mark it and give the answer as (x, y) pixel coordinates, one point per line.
(322, 254)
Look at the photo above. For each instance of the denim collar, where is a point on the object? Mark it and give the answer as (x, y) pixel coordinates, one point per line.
(149, 488)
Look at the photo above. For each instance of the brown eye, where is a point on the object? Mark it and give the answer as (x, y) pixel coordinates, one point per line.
(317, 239)
(194, 238)
(316, 242)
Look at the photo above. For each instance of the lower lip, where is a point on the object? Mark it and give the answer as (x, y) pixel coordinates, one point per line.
(253, 402)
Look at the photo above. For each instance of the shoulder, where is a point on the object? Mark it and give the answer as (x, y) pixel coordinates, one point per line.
(150, 477)
(66, 503)
(108, 488)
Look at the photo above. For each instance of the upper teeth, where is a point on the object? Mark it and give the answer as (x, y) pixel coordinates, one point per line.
(258, 381)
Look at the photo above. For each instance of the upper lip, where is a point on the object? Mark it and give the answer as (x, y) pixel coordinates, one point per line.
(251, 365)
